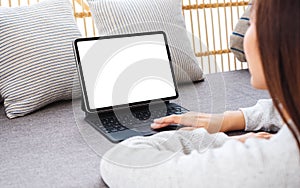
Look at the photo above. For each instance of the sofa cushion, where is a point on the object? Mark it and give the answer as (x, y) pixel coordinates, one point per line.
(36, 56)
(237, 36)
(132, 16)
(55, 147)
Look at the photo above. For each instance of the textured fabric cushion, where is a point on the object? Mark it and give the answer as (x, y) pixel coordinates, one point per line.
(37, 64)
(237, 37)
(132, 16)
(46, 149)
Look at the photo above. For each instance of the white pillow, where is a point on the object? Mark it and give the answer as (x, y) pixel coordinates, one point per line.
(133, 16)
(36, 56)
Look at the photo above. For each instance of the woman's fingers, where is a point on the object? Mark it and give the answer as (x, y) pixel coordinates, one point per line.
(169, 119)
(244, 137)
(192, 119)
(263, 135)
(158, 125)
(165, 121)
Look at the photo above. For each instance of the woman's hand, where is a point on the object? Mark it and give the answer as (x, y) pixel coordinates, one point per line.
(190, 119)
(244, 137)
(228, 121)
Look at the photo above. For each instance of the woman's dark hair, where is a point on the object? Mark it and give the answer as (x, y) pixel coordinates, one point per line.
(278, 35)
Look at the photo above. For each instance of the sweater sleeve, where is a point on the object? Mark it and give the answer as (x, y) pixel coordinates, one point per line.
(198, 159)
(262, 116)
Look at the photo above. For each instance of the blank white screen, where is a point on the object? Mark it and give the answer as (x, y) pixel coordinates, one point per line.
(126, 70)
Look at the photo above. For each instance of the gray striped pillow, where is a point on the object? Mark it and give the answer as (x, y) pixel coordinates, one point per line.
(237, 36)
(37, 64)
(132, 16)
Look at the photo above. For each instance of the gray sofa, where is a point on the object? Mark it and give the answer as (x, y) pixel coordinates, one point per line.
(54, 147)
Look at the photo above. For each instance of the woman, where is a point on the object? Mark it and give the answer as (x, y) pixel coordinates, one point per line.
(198, 159)
(261, 117)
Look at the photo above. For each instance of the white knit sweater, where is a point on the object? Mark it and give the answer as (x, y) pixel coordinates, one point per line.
(262, 116)
(198, 159)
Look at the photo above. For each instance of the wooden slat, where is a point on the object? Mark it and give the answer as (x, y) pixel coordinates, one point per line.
(220, 33)
(74, 9)
(82, 14)
(227, 41)
(84, 20)
(199, 35)
(84, 5)
(207, 42)
(213, 36)
(192, 28)
(214, 5)
(215, 52)
(94, 30)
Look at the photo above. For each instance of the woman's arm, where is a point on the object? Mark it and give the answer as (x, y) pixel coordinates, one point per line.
(228, 121)
(262, 116)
